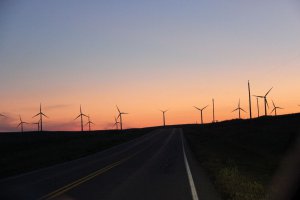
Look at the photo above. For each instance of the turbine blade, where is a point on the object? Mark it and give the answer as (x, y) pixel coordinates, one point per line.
(197, 108)
(267, 103)
(235, 109)
(84, 115)
(204, 107)
(272, 110)
(44, 115)
(35, 115)
(268, 91)
(118, 109)
(273, 103)
(242, 109)
(77, 117)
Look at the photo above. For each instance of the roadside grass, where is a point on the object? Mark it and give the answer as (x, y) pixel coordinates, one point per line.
(241, 156)
(29, 151)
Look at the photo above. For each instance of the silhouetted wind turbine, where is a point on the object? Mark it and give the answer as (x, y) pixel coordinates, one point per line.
(80, 115)
(201, 110)
(120, 116)
(41, 114)
(250, 110)
(239, 109)
(265, 100)
(275, 108)
(38, 125)
(21, 124)
(257, 106)
(213, 103)
(89, 123)
(164, 117)
(116, 123)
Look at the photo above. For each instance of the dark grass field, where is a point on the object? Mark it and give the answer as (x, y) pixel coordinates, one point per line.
(25, 152)
(242, 156)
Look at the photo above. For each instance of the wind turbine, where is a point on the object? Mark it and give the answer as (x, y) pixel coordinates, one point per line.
(116, 123)
(2, 115)
(89, 123)
(250, 110)
(38, 125)
(201, 110)
(21, 124)
(164, 117)
(265, 100)
(41, 114)
(213, 103)
(120, 116)
(257, 106)
(275, 108)
(239, 109)
(80, 115)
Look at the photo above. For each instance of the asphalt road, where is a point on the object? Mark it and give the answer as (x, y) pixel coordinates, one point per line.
(158, 165)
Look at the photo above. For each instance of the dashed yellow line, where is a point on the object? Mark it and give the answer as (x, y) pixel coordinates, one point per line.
(74, 184)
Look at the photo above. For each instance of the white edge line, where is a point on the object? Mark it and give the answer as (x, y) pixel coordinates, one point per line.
(189, 173)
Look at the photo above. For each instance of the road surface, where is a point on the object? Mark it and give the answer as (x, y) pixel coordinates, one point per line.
(158, 165)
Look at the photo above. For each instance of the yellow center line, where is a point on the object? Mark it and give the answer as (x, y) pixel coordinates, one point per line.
(74, 184)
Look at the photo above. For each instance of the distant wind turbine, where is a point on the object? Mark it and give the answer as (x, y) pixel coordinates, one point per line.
(21, 124)
(265, 100)
(89, 123)
(41, 114)
(201, 110)
(2, 115)
(257, 106)
(213, 103)
(120, 116)
(250, 110)
(116, 123)
(239, 109)
(164, 117)
(275, 108)
(38, 125)
(80, 115)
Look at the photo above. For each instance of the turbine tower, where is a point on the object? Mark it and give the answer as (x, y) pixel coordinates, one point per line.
(21, 124)
(41, 114)
(213, 103)
(265, 100)
(80, 115)
(38, 125)
(89, 123)
(116, 123)
(164, 117)
(201, 110)
(250, 110)
(120, 116)
(275, 108)
(257, 106)
(239, 109)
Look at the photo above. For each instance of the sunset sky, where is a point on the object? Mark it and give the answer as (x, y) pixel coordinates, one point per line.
(145, 56)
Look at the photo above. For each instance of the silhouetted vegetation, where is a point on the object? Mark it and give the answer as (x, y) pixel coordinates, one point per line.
(241, 156)
(32, 150)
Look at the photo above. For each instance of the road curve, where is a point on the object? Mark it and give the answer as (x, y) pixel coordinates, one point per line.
(158, 165)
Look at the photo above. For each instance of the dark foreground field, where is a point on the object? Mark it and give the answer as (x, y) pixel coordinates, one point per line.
(242, 156)
(33, 150)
